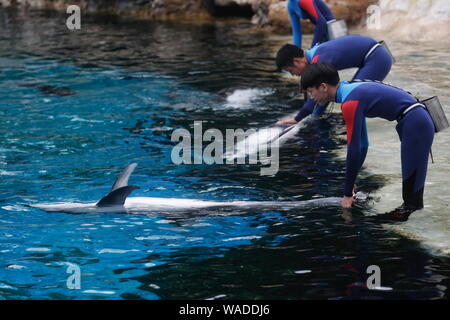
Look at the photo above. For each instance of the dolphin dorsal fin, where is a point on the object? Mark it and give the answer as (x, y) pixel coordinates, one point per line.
(120, 189)
(116, 197)
(122, 180)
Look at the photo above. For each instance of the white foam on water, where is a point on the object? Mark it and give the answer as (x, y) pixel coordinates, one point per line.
(9, 173)
(244, 98)
(116, 251)
(116, 221)
(382, 288)
(242, 238)
(192, 239)
(219, 296)
(38, 250)
(164, 221)
(6, 286)
(159, 237)
(222, 188)
(302, 271)
(201, 224)
(150, 265)
(16, 267)
(99, 292)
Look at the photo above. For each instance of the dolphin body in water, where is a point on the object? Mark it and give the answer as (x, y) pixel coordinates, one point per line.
(117, 201)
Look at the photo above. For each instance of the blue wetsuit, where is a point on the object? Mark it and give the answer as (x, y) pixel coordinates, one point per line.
(317, 12)
(416, 131)
(349, 52)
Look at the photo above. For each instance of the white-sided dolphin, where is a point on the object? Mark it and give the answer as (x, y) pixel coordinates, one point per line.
(274, 136)
(117, 201)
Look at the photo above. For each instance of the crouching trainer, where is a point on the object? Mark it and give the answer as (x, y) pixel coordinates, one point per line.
(373, 99)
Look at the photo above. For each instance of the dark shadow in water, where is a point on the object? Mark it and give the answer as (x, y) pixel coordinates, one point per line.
(51, 90)
(317, 258)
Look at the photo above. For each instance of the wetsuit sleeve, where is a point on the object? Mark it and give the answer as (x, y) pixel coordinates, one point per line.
(296, 27)
(354, 121)
(306, 110)
(323, 15)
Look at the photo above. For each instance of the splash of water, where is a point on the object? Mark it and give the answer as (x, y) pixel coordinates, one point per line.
(244, 98)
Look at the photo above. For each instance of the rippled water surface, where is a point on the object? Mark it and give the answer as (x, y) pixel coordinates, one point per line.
(77, 107)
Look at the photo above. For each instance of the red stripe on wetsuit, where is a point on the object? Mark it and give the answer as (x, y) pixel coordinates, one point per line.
(348, 112)
(308, 6)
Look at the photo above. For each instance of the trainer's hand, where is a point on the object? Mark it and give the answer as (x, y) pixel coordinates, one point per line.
(347, 202)
(286, 121)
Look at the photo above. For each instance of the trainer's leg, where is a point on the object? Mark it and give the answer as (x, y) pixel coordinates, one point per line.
(324, 9)
(416, 132)
(323, 14)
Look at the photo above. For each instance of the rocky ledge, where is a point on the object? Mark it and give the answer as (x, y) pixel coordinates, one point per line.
(271, 14)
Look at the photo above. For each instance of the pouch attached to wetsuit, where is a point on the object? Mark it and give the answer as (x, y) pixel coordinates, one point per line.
(436, 112)
(432, 105)
(384, 45)
(380, 44)
(336, 29)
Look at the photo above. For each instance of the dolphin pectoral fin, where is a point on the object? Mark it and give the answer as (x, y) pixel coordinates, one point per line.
(122, 180)
(116, 197)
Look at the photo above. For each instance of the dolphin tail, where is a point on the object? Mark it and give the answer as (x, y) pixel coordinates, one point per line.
(120, 189)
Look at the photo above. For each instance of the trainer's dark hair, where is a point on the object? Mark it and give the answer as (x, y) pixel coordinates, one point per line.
(286, 54)
(317, 73)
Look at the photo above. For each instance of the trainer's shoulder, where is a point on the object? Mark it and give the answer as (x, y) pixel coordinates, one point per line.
(367, 90)
(356, 39)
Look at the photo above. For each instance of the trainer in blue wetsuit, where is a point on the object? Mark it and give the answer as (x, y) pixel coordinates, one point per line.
(314, 10)
(349, 52)
(372, 60)
(359, 100)
(416, 132)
